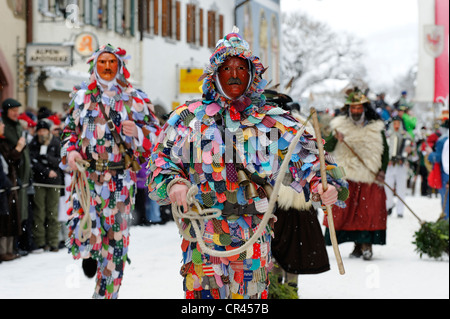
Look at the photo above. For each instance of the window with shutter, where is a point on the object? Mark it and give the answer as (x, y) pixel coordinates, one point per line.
(166, 18)
(132, 17)
(120, 17)
(178, 20)
(156, 17)
(110, 14)
(94, 13)
(87, 12)
(201, 30)
(190, 23)
(212, 29)
(221, 28)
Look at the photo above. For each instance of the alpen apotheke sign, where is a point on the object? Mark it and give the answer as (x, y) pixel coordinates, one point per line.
(40, 55)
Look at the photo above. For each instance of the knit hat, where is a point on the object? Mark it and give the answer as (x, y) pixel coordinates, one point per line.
(43, 124)
(26, 118)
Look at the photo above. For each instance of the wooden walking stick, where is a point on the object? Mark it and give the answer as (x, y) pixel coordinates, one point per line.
(384, 183)
(323, 174)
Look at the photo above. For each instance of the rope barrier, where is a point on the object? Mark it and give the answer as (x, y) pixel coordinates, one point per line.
(25, 186)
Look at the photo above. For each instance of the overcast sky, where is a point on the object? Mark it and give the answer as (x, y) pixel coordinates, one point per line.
(389, 27)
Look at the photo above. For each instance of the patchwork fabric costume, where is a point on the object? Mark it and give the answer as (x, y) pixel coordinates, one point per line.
(112, 185)
(232, 151)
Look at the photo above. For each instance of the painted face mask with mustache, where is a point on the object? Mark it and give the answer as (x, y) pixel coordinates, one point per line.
(234, 77)
(107, 66)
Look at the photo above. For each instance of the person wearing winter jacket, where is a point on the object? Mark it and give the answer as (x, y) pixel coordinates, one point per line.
(9, 203)
(16, 153)
(438, 157)
(45, 152)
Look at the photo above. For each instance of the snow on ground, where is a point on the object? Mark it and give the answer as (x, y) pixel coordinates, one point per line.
(396, 272)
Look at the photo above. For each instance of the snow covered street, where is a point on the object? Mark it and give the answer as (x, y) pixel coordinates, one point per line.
(396, 272)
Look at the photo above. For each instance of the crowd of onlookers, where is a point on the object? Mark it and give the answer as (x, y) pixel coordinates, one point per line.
(33, 189)
(410, 161)
(423, 139)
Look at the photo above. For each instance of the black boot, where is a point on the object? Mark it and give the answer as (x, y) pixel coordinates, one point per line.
(90, 267)
(357, 251)
(367, 251)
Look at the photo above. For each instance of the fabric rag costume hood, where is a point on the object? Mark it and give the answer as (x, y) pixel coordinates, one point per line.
(232, 45)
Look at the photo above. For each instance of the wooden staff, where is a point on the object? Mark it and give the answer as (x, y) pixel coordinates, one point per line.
(323, 173)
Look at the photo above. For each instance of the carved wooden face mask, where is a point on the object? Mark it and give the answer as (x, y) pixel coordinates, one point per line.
(234, 77)
(107, 66)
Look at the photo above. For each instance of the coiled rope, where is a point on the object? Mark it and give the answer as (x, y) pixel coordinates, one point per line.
(198, 215)
(80, 185)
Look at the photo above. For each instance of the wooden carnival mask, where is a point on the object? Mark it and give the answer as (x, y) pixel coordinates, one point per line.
(234, 77)
(107, 66)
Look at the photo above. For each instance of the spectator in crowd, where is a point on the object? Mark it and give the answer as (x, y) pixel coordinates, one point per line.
(437, 156)
(15, 140)
(10, 215)
(45, 156)
(6, 247)
(400, 146)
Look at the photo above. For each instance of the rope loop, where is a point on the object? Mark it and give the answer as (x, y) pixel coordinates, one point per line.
(197, 215)
(80, 185)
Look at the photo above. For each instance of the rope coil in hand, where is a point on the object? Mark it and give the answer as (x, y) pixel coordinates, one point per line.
(199, 215)
(80, 185)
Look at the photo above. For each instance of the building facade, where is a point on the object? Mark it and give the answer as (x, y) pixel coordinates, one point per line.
(13, 38)
(178, 38)
(83, 25)
(260, 24)
(169, 41)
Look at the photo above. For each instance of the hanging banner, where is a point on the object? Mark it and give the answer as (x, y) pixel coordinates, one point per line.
(440, 41)
(427, 56)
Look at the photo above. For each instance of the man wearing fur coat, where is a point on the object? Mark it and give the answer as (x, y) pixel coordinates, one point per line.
(364, 219)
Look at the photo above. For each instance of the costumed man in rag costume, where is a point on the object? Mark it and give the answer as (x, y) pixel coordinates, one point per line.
(230, 146)
(111, 126)
(364, 220)
(298, 246)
